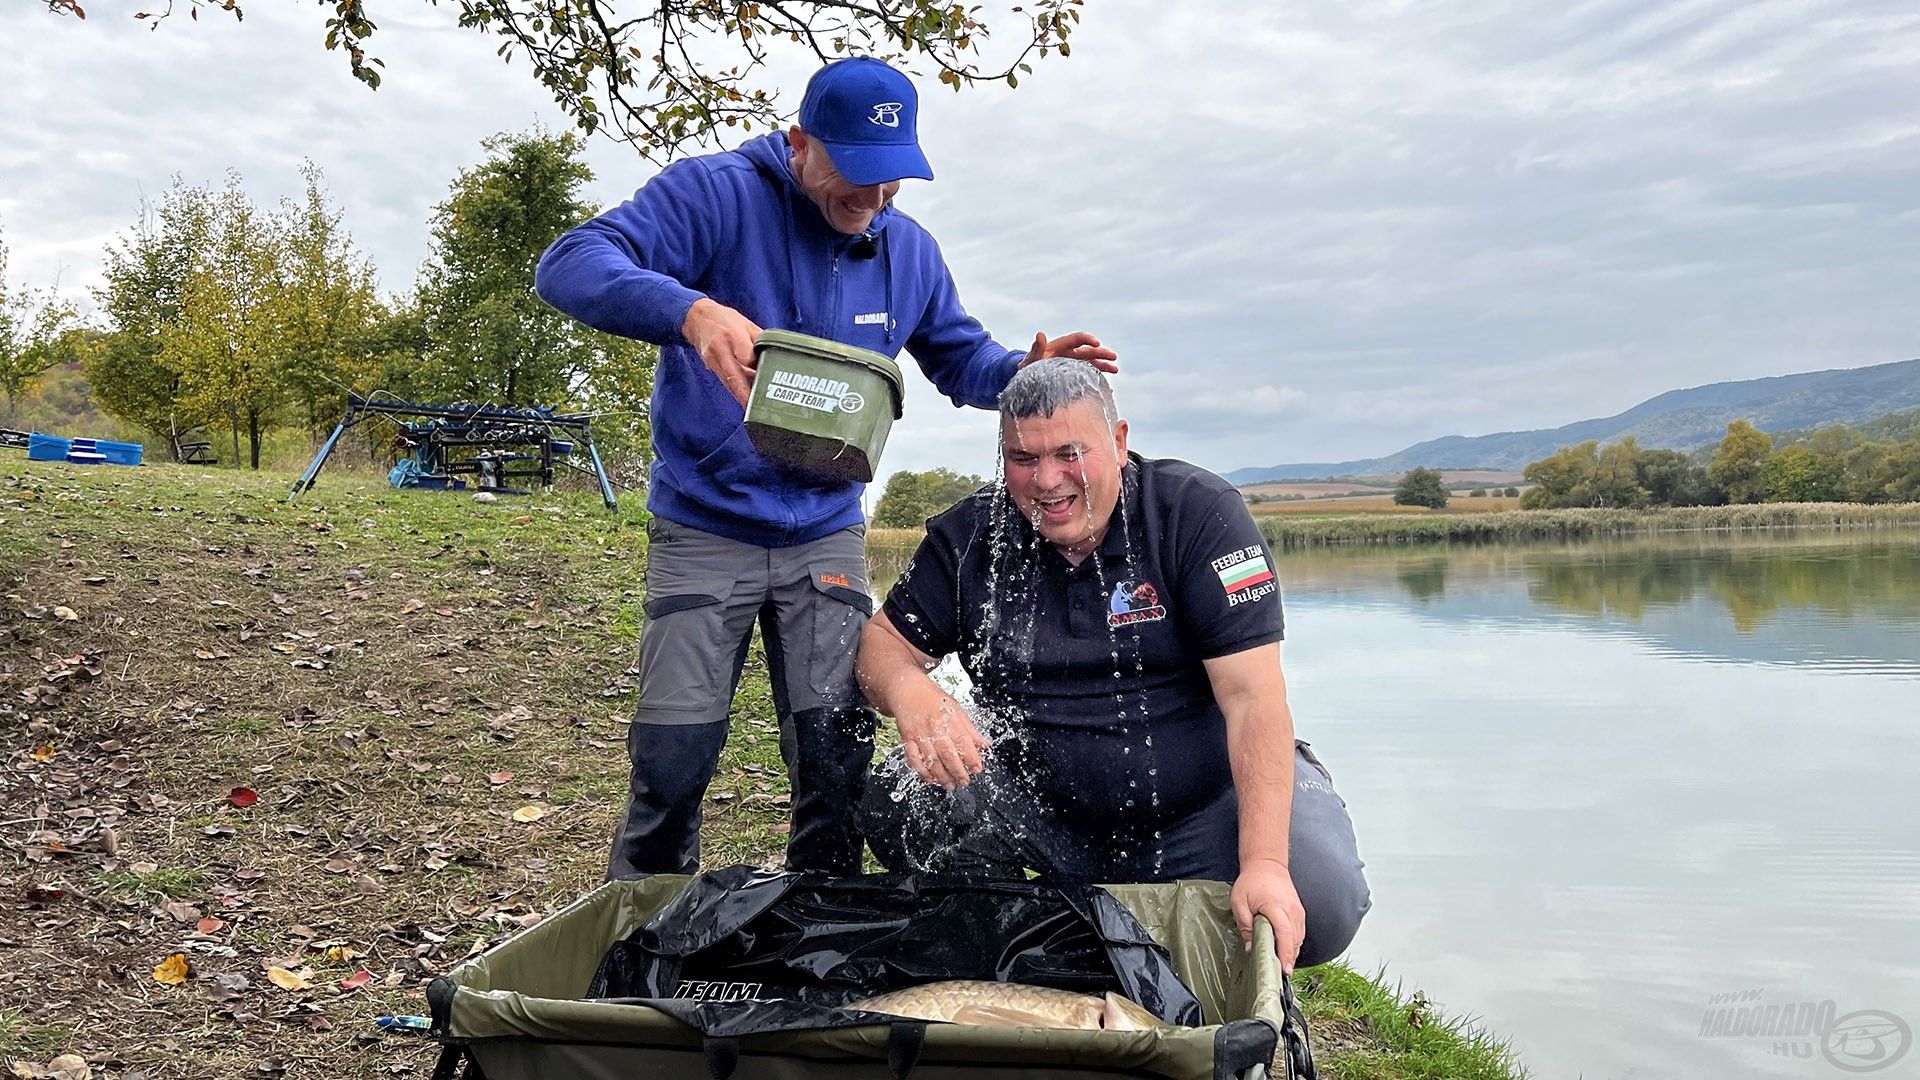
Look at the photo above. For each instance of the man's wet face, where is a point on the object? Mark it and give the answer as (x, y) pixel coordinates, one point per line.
(848, 209)
(1063, 472)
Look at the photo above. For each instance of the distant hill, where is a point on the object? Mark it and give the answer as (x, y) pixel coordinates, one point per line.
(1893, 427)
(1678, 420)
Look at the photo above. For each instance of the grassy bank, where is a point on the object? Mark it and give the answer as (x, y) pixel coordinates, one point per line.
(422, 702)
(1520, 526)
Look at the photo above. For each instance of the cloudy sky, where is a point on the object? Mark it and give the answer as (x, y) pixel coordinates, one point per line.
(1313, 232)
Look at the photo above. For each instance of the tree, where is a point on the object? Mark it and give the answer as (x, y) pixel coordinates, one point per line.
(32, 327)
(1477, 493)
(911, 498)
(1797, 474)
(1564, 479)
(145, 279)
(227, 341)
(1511, 492)
(638, 76)
(1865, 473)
(1615, 479)
(618, 391)
(1737, 464)
(325, 306)
(489, 338)
(1672, 479)
(1903, 472)
(1421, 487)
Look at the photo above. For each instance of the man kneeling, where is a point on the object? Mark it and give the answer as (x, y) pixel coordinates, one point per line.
(1120, 622)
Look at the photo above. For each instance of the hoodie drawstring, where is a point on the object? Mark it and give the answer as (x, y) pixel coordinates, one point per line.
(886, 270)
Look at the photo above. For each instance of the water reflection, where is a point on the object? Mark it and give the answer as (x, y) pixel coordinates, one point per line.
(1843, 599)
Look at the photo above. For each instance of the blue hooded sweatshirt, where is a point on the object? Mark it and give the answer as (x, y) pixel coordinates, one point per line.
(737, 227)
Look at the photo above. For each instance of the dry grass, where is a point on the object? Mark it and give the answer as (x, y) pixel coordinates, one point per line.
(1314, 489)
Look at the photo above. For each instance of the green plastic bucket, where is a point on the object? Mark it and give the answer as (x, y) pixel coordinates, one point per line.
(820, 406)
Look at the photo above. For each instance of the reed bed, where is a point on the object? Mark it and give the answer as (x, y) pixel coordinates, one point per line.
(1535, 525)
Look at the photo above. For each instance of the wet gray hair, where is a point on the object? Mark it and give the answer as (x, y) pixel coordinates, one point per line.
(1044, 386)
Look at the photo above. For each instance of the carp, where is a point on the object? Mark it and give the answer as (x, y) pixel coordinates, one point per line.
(969, 1001)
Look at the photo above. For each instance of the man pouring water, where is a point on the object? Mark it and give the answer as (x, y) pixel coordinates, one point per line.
(1120, 622)
(792, 231)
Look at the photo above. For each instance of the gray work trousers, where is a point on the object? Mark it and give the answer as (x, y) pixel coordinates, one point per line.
(703, 595)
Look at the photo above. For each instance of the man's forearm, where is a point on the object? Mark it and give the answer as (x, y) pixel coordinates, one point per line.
(892, 674)
(1260, 750)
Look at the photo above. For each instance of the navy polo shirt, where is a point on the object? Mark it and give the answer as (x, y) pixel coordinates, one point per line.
(1099, 666)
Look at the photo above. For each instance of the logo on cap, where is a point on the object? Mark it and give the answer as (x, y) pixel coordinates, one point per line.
(886, 114)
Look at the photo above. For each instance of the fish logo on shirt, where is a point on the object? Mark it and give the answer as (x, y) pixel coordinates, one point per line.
(1134, 602)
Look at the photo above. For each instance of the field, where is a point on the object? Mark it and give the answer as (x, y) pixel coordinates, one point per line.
(1382, 504)
(1522, 526)
(271, 768)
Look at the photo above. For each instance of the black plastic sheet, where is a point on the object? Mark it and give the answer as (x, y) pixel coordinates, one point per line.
(743, 951)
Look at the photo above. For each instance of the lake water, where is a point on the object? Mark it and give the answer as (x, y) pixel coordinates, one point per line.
(1608, 790)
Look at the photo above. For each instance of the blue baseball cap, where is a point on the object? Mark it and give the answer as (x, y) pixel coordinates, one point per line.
(866, 114)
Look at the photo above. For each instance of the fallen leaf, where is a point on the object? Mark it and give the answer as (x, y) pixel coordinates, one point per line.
(342, 954)
(181, 912)
(339, 866)
(496, 778)
(287, 980)
(243, 797)
(172, 971)
(227, 987)
(41, 894)
(357, 980)
(412, 606)
(43, 752)
(210, 925)
(69, 1067)
(530, 812)
(66, 614)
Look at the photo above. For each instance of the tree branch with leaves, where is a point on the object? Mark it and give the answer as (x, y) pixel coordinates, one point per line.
(675, 72)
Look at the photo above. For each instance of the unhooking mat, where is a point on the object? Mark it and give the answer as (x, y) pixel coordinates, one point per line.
(742, 974)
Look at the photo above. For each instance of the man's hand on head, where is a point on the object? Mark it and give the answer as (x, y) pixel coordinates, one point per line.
(1078, 345)
(1264, 887)
(941, 743)
(724, 339)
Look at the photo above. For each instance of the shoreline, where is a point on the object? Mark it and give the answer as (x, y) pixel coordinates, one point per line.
(1524, 526)
(1288, 532)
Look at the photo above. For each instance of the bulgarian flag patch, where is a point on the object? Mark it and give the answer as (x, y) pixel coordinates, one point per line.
(1242, 575)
